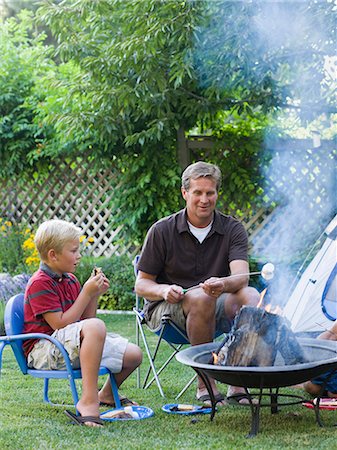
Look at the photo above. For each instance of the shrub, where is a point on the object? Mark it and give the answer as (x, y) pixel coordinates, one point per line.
(119, 271)
(11, 252)
(10, 286)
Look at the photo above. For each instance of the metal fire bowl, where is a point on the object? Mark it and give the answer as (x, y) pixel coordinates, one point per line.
(321, 355)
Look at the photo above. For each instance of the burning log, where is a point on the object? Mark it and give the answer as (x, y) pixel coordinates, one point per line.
(255, 339)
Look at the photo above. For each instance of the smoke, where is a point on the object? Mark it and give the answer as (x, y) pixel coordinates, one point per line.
(285, 43)
(304, 186)
(301, 178)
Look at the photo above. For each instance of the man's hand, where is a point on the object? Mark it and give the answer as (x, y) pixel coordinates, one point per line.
(214, 286)
(173, 294)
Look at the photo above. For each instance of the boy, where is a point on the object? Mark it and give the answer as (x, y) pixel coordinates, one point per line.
(56, 305)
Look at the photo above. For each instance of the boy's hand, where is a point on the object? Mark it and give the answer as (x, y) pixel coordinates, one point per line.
(96, 285)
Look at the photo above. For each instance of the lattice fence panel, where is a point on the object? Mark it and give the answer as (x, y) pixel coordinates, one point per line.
(72, 191)
(78, 192)
(302, 180)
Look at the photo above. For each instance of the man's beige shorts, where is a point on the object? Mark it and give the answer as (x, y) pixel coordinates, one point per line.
(46, 356)
(176, 313)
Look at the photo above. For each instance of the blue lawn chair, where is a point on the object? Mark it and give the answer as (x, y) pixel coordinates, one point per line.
(14, 338)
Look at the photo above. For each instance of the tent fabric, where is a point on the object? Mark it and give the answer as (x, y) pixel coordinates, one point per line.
(312, 306)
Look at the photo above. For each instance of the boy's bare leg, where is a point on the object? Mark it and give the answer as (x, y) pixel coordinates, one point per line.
(131, 360)
(93, 337)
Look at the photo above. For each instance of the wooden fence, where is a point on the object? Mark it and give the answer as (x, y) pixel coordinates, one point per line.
(79, 192)
(73, 191)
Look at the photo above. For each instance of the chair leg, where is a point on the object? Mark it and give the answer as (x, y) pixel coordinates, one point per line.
(151, 361)
(73, 392)
(153, 357)
(2, 346)
(138, 342)
(176, 350)
(114, 389)
(45, 391)
(186, 387)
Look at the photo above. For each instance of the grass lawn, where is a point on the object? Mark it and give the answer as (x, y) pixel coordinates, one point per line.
(27, 423)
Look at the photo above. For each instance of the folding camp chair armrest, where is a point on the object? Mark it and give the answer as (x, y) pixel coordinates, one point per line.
(26, 336)
(140, 314)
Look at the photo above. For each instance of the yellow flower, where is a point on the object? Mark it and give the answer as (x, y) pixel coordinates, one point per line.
(91, 239)
(32, 261)
(29, 244)
(8, 223)
(82, 238)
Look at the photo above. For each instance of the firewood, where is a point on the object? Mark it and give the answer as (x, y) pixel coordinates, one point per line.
(255, 339)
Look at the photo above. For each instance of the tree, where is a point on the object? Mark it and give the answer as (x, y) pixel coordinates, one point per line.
(137, 72)
(24, 61)
(150, 68)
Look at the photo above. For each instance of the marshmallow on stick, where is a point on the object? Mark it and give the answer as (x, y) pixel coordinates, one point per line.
(267, 271)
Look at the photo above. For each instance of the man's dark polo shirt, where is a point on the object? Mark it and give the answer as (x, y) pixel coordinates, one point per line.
(175, 256)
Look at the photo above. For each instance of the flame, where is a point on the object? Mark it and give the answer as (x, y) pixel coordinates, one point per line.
(215, 358)
(263, 293)
(269, 308)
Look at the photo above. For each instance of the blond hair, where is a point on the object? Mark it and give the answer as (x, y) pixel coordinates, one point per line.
(54, 234)
(198, 170)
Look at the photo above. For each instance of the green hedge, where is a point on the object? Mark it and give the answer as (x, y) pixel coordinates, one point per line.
(119, 271)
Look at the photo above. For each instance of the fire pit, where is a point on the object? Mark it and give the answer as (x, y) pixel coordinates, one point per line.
(321, 356)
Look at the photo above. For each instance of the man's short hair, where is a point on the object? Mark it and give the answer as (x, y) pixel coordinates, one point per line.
(198, 170)
(54, 234)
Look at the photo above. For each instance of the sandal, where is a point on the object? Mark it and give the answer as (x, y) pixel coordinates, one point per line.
(80, 420)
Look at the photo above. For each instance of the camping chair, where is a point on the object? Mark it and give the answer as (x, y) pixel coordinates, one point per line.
(168, 332)
(14, 338)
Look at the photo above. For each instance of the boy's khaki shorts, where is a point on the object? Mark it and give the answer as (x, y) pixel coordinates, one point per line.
(46, 356)
(175, 311)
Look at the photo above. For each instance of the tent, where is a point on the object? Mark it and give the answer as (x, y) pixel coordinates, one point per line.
(312, 306)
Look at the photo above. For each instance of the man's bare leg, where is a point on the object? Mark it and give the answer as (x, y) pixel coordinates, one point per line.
(199, 309)
(245, 297)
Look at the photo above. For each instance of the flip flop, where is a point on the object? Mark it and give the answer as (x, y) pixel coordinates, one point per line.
(235, 399)
(207, 398)
(124, 402)
(80, 420)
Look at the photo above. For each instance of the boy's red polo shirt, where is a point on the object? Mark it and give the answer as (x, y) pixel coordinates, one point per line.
(47, 292)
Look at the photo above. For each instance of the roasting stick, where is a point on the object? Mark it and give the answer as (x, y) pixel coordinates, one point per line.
(267, 273)
(231, 276)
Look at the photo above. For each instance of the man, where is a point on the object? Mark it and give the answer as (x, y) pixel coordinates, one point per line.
(197, 246)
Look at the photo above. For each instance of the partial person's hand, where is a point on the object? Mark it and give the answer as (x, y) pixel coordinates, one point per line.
(173, 294)
(214, 286)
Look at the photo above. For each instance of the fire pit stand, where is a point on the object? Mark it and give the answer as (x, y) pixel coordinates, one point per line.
(265, 380)
(274, 404)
